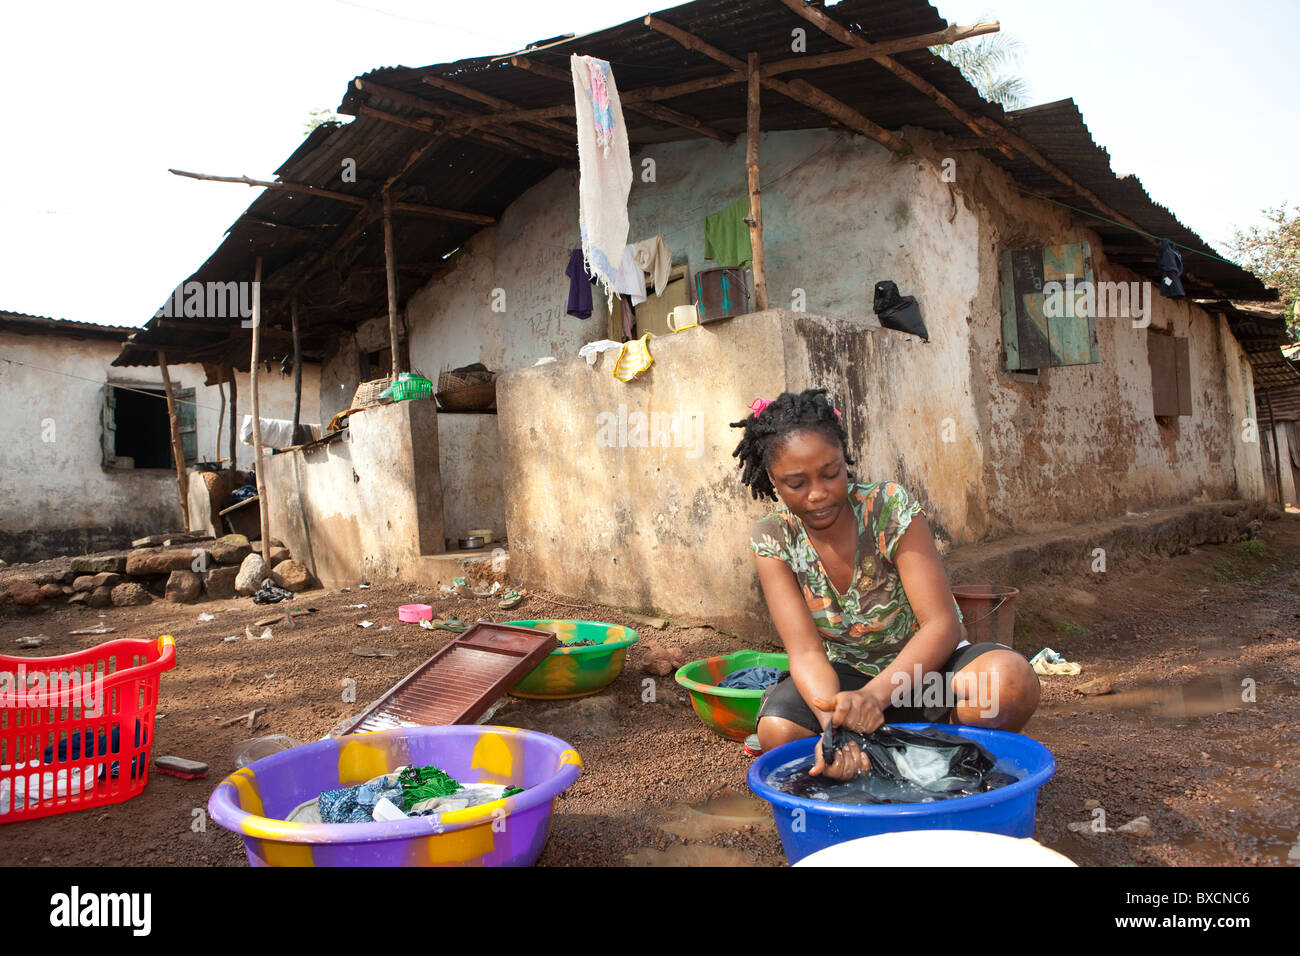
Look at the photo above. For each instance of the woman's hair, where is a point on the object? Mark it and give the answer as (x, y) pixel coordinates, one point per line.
(767, 432)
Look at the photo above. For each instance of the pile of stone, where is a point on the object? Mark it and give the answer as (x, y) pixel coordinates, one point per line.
(181, 568)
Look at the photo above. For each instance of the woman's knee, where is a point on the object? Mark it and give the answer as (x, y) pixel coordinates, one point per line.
(998, 689)
(775, 731)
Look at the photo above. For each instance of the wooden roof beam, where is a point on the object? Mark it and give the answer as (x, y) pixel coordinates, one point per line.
(1001, 134)
(409, 208)
(870, 51)
(655, 111)
(487, 99)
(820, 19)
(797, 90)
(459, 124)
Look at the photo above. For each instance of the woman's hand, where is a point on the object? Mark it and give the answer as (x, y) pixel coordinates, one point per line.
(854, 710)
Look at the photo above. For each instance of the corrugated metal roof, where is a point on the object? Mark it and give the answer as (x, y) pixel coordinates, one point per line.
(44, 325)
(290, 231)
(1263, 335)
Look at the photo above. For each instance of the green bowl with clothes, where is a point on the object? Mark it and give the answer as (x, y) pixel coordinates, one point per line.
(730, 712)
(590, 656)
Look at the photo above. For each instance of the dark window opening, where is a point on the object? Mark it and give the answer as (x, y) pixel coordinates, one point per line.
(142, 429)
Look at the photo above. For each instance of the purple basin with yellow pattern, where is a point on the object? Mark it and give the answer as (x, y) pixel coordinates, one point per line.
(576, 671)
(254, 801)
(729, 711)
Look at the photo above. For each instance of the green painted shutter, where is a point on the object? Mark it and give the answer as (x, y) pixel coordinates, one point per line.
(1039, 330)
(187, 424)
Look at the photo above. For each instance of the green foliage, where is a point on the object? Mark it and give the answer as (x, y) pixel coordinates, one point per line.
(1255, 547)
(1273, 254)
(1069, 627)
(984, 61)
(316, 117)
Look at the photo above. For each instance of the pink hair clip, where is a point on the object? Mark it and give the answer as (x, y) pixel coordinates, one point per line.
(758, 406)
(838, 416)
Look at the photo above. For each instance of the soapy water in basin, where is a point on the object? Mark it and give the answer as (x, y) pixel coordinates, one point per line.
(906, 767)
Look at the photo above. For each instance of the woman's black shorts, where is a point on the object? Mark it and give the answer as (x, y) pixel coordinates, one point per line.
(783, 700)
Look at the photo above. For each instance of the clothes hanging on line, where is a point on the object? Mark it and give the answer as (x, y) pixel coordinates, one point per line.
(1171, 270)
(726, 235)
(652, 256)
(633, 358)
(580, 281)
(630, 280)
(605, 167)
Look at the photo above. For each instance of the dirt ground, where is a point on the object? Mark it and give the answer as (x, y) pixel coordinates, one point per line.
(1200, 735)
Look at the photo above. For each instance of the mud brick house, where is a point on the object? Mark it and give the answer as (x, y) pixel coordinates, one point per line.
(871, 159)
(85, 448)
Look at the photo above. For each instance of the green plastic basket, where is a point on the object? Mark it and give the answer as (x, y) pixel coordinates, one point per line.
(405, 389)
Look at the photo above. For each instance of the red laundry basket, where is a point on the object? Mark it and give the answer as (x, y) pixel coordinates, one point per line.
(75, 730)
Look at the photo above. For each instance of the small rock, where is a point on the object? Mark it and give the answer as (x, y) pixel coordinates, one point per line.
(372, 652)
(219, 582)
(94, 564)
(51, 590)
(251, 573)
(230, 549)
(129, 594)
(101, 597)
(184, 587)
(107, 579)
(277, 555)
(661, 660)
(66, 589)
(1095, 687)
(1091, 804)
(80, 598)
(25, 593)
(1138, 827)
(144, 564)
(292, 576)
(85, 582)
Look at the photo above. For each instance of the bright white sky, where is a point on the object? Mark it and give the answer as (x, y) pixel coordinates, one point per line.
(107, 96)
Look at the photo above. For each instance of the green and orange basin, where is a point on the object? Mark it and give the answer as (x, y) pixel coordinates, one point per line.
(728, 711)
(576, 671)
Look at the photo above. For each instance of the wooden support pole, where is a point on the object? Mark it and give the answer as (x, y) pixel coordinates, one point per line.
(221, 417)
(1272, 437)
(297, 366)
(263, 504)
(390, 271)
(234, 418)
(295, 187)
(797, 90)
(411, 208)
(178, 453)
(755, 219)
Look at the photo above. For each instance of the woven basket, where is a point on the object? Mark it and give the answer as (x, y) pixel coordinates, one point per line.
(479, 397)
(452, 381)
(367, 393)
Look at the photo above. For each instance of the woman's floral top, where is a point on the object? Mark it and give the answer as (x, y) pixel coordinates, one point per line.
(868, 625)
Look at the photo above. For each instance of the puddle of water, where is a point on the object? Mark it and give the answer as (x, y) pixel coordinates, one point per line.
(721, 813)
(1199, 697)
(693, 854)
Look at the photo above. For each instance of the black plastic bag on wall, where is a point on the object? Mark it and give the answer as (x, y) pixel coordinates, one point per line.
(900, 313)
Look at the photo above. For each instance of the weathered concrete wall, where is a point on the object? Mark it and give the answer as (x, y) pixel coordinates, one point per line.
(55, 495)
(365, 509)
(1082, 441)
(470, 467)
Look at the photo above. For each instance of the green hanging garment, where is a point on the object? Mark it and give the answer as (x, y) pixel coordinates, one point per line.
(726, 235)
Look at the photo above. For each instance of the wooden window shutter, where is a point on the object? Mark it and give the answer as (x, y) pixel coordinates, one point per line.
(186, 420)
(1171, 374)
(1043, 324)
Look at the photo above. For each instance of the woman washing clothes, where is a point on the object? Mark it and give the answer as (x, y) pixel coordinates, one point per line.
(859, 596)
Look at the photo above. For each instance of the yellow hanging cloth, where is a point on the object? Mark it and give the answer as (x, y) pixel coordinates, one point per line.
(633, 358)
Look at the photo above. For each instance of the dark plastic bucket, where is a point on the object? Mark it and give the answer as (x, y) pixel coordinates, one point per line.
(988, 611)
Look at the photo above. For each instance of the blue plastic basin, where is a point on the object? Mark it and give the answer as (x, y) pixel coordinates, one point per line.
(806, 826)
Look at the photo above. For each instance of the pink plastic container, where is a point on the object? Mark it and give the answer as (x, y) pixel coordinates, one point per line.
(411, 613)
